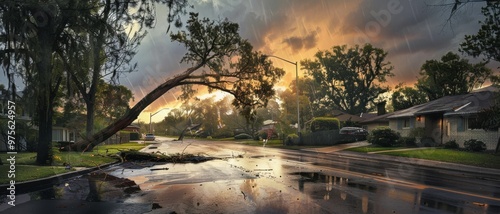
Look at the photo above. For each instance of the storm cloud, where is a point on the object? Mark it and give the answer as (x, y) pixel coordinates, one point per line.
(410, 31)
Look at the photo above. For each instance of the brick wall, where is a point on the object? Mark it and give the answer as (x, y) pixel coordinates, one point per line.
(490, 138)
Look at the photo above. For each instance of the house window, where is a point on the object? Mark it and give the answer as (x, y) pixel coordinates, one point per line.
(473, 123)
(406, 123)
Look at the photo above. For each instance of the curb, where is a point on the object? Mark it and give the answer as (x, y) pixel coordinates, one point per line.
(42, 183)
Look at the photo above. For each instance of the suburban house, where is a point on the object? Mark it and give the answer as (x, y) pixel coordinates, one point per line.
(63, 134)
(371, 121)
(132, 128)
(449, 118)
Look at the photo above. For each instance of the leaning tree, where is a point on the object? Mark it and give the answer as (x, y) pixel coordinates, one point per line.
(220, 60)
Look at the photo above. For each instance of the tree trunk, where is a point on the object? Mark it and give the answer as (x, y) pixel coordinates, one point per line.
(90, 119)
(133, 113)
(97, 44)
(44, 105)
(498, 146)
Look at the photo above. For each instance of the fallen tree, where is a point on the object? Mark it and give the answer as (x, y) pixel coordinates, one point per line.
(220, 60)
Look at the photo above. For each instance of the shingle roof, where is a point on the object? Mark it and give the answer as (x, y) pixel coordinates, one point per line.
(343, 116)
(453, 105)
(379, 118)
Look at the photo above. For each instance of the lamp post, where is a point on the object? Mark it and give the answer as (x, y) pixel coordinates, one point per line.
(151, 115)
(296, 87)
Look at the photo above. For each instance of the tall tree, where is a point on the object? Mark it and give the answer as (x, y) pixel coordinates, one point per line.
(451, 76)
(406, 97)
(350, 78)
(32, 32)
(486, 43)
(211, 48)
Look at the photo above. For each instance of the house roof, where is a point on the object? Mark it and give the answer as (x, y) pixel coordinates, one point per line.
(134, 126)
(379, 118)
(367, 116)
(453, 105)
(342, 116)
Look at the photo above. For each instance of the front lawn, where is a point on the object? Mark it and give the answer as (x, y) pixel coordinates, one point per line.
(26, 168)
(30, 172)
(371, 148)
(487, 160)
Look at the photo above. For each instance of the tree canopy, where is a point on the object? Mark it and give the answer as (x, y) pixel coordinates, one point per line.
(487, 40)
(349, 78)
(451, 75)
(405, 97)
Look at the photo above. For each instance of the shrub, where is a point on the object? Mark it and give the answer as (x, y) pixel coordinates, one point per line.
(417, 132)
(223, 133)
(452, 144)
(385, 137)
(407, 141)
(291, 138)
(135, 136)
(474, 145)
(242, 136)
(324, 123)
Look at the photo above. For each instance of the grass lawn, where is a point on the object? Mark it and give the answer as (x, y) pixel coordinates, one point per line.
(26, 169)
(487, 160)
(30, 172)
(366, 149)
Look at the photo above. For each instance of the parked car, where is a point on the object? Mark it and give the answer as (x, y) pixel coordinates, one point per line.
(149, 137)
(352, 134)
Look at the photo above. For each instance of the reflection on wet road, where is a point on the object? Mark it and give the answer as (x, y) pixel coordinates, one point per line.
(262, 180)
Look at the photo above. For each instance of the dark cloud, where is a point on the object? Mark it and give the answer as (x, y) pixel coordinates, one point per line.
(411, 26)
(302, 43)
(411, 31)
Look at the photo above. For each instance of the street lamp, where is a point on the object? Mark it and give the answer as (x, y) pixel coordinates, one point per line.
(151, 115)
(296, 87)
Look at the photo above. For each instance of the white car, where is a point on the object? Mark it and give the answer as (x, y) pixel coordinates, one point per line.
(149, 137)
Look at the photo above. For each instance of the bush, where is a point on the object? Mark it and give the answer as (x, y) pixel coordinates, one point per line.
(223, 133)
(474, 145)
(291, 138)
(135, 136)
(385, 137)
(325, 123)
(452, 144)
(417, 132)
(242, 136)
(407, 142)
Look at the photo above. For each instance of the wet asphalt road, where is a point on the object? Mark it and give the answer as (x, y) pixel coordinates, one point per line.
(265, 180)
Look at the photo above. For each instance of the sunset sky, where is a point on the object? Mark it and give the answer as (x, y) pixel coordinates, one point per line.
(410, 31)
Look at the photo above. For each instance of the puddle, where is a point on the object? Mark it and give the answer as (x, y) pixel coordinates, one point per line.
(84, 193)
